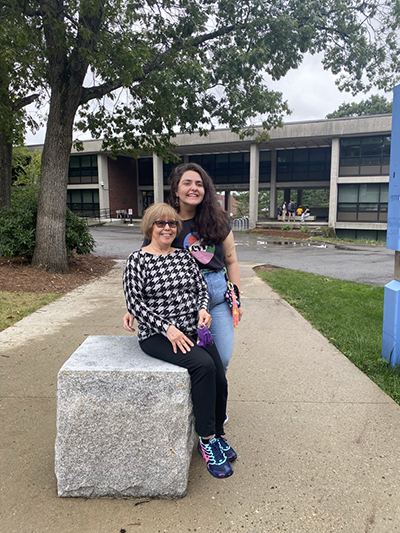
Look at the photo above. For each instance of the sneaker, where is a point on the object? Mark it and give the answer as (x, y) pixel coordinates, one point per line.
(230, 453)
(217, 463)
(226, 419)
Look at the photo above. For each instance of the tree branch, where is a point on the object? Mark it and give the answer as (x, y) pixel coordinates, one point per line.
(91, 93)
(23, 102)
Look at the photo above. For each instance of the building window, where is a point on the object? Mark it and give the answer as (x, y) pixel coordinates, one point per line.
(365, 156)
(303, 164)
(146, 173)
(225, 169)
(83, 169)
(84, 202)
(364, 202)
(145, 168)
(265, 167)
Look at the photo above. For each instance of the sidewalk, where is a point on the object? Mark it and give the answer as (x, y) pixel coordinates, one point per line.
(318, 442)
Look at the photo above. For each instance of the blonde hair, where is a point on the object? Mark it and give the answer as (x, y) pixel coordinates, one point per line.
(157, 212)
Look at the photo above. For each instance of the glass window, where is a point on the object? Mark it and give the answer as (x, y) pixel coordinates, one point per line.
(300, 156)
(348, 193)
(318, 154)
(384, 192)
(76, 196)
(372, 151)
(87, 196)
(371, 145)
(86, 161)
(264, 156)
(225, 168)
(83, 169)
(74, 161)
(350, 147)
(145, 168)
(305, 164)
(364, 202)
(369, 192)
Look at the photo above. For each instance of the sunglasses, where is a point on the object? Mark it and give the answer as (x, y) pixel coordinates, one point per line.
(162, 223)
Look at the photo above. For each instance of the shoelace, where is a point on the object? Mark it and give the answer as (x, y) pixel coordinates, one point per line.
(214, 452)
(223, 442)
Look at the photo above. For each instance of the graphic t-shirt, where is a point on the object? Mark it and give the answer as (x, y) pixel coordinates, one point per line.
(210, 256)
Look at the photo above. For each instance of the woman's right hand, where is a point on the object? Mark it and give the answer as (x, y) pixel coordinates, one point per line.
(127, 322)
(178, 340)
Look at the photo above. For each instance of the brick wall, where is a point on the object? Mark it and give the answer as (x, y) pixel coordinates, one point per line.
(122, 184)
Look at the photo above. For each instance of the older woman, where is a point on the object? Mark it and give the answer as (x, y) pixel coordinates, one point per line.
(168, 296)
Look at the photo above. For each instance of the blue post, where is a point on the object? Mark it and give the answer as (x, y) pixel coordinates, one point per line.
(391, 309)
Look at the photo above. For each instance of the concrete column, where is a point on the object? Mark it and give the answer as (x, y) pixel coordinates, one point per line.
(104, 189)
(158, 179)
(333, 193)
(299, 197)
(272, 198)
(227, 202)
(254, 181)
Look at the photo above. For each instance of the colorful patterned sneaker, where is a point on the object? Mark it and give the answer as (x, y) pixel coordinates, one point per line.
(230, 453)
(217, 462)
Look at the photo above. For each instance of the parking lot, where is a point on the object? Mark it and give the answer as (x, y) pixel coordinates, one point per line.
(362, 263)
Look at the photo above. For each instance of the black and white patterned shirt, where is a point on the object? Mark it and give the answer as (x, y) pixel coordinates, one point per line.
(161, 290)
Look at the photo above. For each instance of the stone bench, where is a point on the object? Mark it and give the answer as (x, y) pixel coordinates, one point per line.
(297, 218)
(125, 424)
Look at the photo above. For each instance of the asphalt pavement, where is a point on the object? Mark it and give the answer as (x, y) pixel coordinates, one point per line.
(371, 264)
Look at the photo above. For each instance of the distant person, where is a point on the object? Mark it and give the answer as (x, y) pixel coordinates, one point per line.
(280, 211)
(306, 213)
(291, 209)
(284, 211)
(299, 211)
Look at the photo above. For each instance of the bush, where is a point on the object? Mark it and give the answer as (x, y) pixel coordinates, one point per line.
(18, 224)
(79, 239)
(329, 233)
(18, 227)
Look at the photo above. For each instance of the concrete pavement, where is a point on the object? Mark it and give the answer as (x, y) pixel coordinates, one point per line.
(318, 442)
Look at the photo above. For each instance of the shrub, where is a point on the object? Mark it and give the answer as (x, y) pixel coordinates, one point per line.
(18, 227)
(77, 234)
(329, 233)
(287, 227)
(18, 224)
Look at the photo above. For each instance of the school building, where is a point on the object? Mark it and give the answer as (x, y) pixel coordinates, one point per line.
(348, 158)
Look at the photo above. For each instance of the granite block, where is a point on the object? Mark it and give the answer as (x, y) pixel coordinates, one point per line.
(125, 424)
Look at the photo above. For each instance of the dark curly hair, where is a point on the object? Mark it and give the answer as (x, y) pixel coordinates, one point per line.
(211, 221)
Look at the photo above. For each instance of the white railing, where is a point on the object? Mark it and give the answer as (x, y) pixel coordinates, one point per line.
(241, 224)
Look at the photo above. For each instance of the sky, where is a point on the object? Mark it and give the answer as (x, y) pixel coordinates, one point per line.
(310, 91)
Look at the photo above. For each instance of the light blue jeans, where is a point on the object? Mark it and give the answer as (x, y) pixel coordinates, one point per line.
(222, 324)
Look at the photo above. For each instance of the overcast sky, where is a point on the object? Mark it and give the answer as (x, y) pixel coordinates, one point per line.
(310, 91)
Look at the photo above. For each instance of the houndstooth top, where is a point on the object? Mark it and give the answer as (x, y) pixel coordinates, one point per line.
(161, 290)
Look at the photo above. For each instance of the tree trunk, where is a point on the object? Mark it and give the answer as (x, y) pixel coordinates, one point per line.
(5, 170)
(50, 247)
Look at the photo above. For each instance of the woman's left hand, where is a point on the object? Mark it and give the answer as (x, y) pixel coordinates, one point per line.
(204, 319)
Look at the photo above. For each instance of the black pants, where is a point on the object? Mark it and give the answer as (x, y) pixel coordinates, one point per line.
(209, 385)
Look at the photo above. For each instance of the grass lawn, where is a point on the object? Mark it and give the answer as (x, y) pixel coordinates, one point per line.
(17, 305)
(348, 314)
